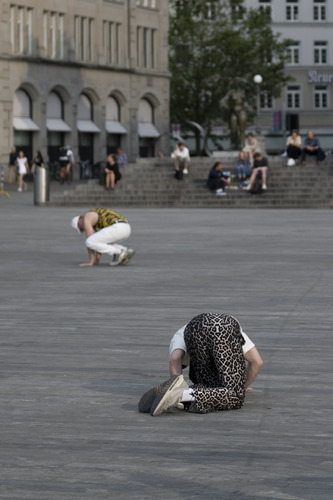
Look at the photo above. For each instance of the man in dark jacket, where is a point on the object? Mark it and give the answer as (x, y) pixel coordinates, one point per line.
(312, 147)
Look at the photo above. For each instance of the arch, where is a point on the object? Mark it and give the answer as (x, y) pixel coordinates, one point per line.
(145, 111)
(85, 107)
(91, 94)
(54, 106)
(55, 113)
(151, 98)
(62, 92)
(22, 104)
(119, 96)
(112, 109)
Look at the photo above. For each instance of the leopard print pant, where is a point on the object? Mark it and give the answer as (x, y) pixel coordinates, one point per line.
(214, 343)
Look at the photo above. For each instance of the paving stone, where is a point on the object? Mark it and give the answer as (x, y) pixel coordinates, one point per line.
(79, 346)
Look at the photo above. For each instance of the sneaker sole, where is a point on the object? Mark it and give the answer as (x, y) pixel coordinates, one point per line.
(127, 259)
(159, 400)
(149, 397)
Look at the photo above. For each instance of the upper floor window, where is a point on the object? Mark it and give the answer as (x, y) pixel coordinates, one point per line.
(320, 53)
(146, 47)
(210, 11)
(293, 53)
(146, 3)
(266, 101)
(266, 8)
(320, 97)
(53, 34)
(112, 32)
(292, 10)
(293, 97)
(83, 38)
(319, 10)
(21, 28)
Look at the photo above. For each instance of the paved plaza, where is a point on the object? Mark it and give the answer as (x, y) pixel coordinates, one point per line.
(79, 346)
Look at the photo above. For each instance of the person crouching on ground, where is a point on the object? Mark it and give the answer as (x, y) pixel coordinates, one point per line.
(217, 181)
(217, 349)
(104, 230)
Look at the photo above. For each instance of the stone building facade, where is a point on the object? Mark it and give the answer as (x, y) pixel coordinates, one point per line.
(89, 73)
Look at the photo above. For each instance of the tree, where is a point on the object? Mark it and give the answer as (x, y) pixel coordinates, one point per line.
(212, 44)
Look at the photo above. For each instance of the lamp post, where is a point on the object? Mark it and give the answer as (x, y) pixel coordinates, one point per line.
(257, 80)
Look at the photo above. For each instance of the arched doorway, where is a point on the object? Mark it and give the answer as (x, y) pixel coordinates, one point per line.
(146, 129)
(23, 125)
(56, 127)
(86, 128)
(113, 127)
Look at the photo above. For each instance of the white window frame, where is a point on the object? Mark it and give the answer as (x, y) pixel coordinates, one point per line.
(321, 93)
(292, 10)
(294, 92)
(320, 52)
(319, 11)
(265, 6)
(266, 101)
(294, 54)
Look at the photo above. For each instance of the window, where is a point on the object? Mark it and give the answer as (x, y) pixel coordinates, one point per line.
(319, 10)
(293, 97)
(320, 97)
(146, 47)
(29, 31)
(320, 53)
(152, 48)
(293, 53)
(266, 101)
(292, 11)
(53, 34)
(266, 8)
(61, 36)
(20, 30)
(112, 42)
(138, 46)
(210, 10)
(83, 38)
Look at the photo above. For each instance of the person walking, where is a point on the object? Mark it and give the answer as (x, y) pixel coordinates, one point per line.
(104, 230)
(23, 169)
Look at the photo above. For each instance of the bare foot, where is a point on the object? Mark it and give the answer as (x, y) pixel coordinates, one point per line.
(86, 264)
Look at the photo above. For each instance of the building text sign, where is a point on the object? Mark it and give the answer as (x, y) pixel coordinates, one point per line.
(315, 77)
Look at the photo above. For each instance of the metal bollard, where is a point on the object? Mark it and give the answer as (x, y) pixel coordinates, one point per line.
(41, 186)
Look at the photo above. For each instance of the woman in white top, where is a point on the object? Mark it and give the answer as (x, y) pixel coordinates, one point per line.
(23, 168)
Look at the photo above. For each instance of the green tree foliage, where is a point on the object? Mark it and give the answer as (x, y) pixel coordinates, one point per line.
(211, 45)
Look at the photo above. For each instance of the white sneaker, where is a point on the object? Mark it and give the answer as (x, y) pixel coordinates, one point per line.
(264, 186)
(248, 187)
(185, 171)
(19, 190)
(128, 255)
(220, 192)
(170, 396)
(118, 258)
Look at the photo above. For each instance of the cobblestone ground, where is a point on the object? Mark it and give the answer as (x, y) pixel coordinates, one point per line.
(79, 346)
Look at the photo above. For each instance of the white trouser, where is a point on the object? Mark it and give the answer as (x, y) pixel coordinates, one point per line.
(106, 240)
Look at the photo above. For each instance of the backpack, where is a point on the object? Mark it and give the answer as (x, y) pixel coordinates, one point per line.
(256, 188)
(179, 174)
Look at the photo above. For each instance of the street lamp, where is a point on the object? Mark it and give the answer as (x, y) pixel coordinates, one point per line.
(258, 80)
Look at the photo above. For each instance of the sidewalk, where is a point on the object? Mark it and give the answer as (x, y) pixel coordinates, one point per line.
(79, 346)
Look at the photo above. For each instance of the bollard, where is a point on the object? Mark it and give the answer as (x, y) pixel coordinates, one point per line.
(41, 186)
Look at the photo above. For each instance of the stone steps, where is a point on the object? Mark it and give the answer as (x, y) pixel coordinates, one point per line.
(150, 183)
